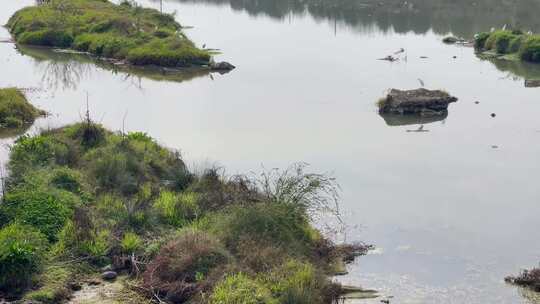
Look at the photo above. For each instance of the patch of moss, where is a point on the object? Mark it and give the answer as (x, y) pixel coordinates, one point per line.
(127, 31)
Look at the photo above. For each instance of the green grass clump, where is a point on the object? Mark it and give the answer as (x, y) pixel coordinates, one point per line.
(22, 251)
(177, 209)
(131, 243)
(267, 223)
(240, 289)
(126, 32)
(15, 110)
(297, 282)
(503, 42)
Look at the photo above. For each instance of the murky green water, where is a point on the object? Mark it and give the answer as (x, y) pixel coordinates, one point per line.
(452, 211)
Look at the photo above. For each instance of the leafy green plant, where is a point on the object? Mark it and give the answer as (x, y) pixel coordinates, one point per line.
(22, 250)
(131, 243)
(296, 283)
(177, 209)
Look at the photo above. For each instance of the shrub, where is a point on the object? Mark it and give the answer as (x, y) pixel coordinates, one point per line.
(515, 44)
(47, 37)
(268, 223)
(22, 251)
(185, 266)
(67, 179)
(98, 246)
(30, 153)
(499, 41)
(131, 243)
(177, 209)
(240, 289)
(480, 40)
(530, 49)
(87, 134)
(45, 209)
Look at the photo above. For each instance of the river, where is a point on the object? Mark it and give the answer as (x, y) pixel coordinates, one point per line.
(451, 211)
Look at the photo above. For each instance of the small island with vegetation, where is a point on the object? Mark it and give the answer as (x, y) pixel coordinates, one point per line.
(15, 110)
(126, 33)
(509, 45)
(84, 207)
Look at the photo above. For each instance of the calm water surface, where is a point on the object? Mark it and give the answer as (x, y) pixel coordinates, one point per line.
(452, 211)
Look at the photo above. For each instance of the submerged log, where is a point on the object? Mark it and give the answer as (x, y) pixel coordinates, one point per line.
(415, 101)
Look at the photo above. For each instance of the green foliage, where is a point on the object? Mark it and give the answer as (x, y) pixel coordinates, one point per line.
(511, 42)
(43, 208)
(480, 40)
(131, 243)
(67, 179)
(22, 251)
(168, 51)
(499, 41)
(240, 289)
(186, 265)
(34, 152)
(177, 209)
(126, 31)
(297, 283)
(57, 38)
(267, 223)
(530, 50)
(98, 245)
(15, 110)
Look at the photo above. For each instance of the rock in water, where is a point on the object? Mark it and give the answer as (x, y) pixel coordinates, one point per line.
(415, 101)
(532, 83)
(450, 40)
(221, 66)
(109, 275)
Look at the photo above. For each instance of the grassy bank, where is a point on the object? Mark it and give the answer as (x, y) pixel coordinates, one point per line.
(15, 110)
(513, 44)
(127, 32)
(82, 195)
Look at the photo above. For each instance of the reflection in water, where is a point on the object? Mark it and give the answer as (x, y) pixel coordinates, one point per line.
(65, 70)
(412, 119)
(11, 133)
(462, 17)
(518, 69)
